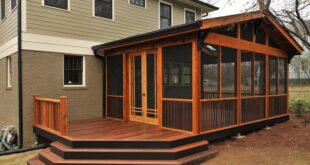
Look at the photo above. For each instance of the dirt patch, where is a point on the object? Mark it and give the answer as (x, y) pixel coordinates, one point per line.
(285, 144)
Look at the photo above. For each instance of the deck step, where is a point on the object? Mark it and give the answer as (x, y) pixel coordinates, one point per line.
(49, 158)
(67, 152)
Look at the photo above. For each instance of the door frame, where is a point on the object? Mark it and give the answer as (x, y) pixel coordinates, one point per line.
(143, 119)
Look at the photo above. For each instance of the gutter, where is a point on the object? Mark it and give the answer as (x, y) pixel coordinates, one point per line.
(20, 76)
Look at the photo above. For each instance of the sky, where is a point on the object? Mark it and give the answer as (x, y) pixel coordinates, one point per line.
(228, 8)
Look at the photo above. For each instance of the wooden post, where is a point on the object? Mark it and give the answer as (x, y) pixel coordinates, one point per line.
(267, 80)
(35, 110)
(159, 86)
(195, 87)
(267, 86)
(63, 115)
(238, 79)
(286, 84)
(125, 89)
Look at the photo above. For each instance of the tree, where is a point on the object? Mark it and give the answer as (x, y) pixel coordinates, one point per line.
(294, 15)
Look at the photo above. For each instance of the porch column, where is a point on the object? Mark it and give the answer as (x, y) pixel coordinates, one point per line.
(159, 86)
(125, 88)
(195, 87)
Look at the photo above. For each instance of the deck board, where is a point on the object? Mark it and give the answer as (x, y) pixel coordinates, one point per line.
(107, 129)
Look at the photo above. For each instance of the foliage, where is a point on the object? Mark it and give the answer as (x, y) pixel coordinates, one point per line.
(299, 106)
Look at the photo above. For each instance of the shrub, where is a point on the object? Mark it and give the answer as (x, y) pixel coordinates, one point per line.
(299, 106)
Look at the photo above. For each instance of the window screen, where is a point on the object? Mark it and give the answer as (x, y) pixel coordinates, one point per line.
(282, 76)
(115, 75)
(104, 8)
(260, 36)
(62, 4)
(189, 16)
(13, 4)
(247, 59)
(209, 73)
(260, 74)
(177, 71)
(165, 15)
(273, 76)
(73, 70)
(138, 2)
(228, 68)
(273, 43)
(246, 31)
(230, 31)
(3, 9)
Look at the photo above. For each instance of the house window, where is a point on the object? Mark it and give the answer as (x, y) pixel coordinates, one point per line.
(74, 70)
(165, 15)
(13, 4)
(190, 16)
(2, 9)
(9, 72)
(61, 4)
(140, 3)
(104, 9)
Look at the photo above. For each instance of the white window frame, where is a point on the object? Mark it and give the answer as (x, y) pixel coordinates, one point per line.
(190, 10)
(8, 72)
(12, 9)
(145, 1)
(172, 17)
(113, 11)
(83, 73)
(69, 6)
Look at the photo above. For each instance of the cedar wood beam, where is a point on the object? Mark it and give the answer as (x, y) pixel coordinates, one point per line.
(218, 39)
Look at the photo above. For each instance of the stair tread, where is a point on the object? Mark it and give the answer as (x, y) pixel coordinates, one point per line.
(65, 148)
(58, 160)
(192, 159)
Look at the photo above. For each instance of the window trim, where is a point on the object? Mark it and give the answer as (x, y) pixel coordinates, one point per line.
(68, 9)
(190, 10)
(5, 14)
(113, 11)
(145, 6)
(83, 72)
(8, 72)
(172, 16)
(12, 9)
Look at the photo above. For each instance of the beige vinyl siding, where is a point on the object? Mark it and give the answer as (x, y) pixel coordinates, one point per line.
(79, 22)
(8, 26)
(8, 96)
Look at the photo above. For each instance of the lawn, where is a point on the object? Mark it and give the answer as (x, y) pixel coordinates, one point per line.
(285, 144)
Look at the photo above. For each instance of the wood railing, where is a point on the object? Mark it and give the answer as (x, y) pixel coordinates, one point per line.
(51, 114)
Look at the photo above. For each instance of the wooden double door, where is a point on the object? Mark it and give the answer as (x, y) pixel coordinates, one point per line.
(142, 86)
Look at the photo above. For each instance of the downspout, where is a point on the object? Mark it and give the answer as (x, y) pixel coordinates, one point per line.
(20, 76)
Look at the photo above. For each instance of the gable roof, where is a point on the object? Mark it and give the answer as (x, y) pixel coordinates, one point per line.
(202, 25)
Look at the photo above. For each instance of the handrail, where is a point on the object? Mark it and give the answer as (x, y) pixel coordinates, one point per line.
(51, 114)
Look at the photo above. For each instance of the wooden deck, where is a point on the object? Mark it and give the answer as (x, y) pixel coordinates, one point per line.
(108, 129)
